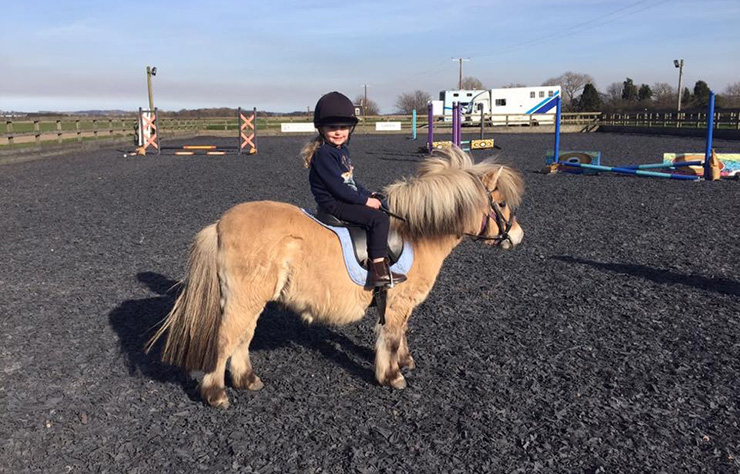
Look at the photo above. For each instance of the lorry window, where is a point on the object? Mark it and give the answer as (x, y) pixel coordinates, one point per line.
(550, 94)
(500, 102)
(542, 93)
(532, 95)
(455, 95)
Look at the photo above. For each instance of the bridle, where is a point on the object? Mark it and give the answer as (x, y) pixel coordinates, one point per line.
(495, 211)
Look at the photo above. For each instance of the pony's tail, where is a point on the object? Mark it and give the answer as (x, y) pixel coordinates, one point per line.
(192, 325)
(309, 149)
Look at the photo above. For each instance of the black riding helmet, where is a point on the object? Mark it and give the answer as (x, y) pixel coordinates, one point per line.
(334, 108)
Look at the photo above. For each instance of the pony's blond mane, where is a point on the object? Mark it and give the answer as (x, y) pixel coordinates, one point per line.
(447, 196)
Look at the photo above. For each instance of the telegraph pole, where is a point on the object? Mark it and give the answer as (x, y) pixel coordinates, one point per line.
(679, 65)
(150, 71)
(364, 102)
(460, 61)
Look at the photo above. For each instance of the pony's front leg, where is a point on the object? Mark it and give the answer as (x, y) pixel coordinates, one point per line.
(405, 361)
(391, 336)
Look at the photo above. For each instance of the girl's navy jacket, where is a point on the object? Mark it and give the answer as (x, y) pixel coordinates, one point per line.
(331, 178)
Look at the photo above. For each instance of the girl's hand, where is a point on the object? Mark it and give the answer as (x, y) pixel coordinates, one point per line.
(372, 202)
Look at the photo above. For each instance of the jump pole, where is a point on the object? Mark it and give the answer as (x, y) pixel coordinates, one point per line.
(413, 124)
(622, 170)
(556, 152)
(454, 123)
(459, 126)
(710, 135)
(664, 165)
(430, 128)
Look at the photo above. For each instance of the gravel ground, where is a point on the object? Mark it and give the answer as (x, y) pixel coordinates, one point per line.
(607, 342)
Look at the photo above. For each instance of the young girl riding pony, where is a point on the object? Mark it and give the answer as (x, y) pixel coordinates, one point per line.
(332, 182)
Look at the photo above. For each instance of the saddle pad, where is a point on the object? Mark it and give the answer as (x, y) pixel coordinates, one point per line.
(356, 272)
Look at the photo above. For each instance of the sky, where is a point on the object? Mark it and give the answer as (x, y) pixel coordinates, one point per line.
(282, 55)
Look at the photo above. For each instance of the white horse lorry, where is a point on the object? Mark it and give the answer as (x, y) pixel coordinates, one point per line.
(505, 106)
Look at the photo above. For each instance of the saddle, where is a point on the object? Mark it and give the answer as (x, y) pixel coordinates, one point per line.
(358, 235)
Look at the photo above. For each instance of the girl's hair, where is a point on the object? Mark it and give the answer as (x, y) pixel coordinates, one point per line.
(309, 149)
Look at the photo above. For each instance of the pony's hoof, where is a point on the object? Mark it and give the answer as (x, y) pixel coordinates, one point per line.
(249, 382)
(255, 384)
(399, 383)
(216, 397)
(408, 363)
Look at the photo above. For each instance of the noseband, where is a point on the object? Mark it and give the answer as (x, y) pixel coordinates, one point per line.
(494, 212)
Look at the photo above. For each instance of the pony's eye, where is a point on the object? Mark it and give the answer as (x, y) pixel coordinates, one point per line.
(502, 204)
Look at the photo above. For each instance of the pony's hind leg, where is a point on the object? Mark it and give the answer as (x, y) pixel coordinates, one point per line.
(238, 322)
(242, 374)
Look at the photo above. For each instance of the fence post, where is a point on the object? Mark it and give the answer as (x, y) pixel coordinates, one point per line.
(77, 128)
(95, 128)
(59, 131)
(9, 128)
(37, 131)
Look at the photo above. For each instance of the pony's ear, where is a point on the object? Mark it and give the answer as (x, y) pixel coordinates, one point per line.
(496, 177)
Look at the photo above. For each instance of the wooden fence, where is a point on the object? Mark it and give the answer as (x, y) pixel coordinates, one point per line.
(21, 132)
(722, 120)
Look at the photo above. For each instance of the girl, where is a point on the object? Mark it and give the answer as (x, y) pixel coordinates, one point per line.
(333, 185)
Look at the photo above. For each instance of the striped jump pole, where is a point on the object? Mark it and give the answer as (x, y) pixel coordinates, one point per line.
(637, 172)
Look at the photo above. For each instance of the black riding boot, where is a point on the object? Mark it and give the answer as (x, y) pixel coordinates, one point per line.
(379, 274)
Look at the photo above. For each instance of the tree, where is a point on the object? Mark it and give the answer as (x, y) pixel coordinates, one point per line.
(571, 83)
(686, 96)
(664, 95)
(629, 90)
(590, 100)
(732, 95)
(511, 85)
(613, 94)
(701, 94)
(645, 94)
(472, 83)
(371, 107)
(409, 101)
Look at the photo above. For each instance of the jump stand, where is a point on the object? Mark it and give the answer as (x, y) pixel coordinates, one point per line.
(590, 162)
(148, 136)
(466, 145)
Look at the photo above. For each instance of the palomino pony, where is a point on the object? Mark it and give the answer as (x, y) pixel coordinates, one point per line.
(270, 251)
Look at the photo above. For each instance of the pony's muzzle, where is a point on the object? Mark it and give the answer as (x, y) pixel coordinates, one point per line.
(516, 234)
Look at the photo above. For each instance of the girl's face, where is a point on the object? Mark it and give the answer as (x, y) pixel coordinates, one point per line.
(336, 134)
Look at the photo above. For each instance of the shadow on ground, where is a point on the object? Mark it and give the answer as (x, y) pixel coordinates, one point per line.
(660, 276)
(135, 321)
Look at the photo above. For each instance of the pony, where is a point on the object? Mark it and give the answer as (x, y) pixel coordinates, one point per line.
(266, 251)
